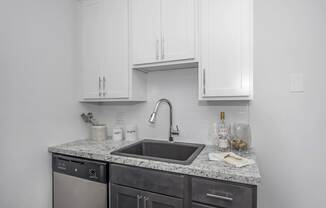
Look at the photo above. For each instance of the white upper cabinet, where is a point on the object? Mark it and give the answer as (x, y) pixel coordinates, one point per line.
(162, 31)
(225, 67)
(115, 44)
(91, 45)
(118, 35)
(178, 29)
(146, 35)
(104, 44)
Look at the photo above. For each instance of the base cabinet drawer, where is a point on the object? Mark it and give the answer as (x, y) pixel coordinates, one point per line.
(125, 197)
(149, 180)
(222, 194)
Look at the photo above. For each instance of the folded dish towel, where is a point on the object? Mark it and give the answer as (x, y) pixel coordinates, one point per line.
(230, 158)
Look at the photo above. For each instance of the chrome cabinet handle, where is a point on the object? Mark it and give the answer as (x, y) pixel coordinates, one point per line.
(99, 86)
(104, 86)
(219, 197)
(162, 48)
(204, 81)
(138, 200)
(157, 51)
(145, 202)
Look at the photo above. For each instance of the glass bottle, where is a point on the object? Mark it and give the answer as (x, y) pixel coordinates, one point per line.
(223, 132)
(119, 128)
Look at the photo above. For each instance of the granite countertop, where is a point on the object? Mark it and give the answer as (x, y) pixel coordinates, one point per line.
(201, 166)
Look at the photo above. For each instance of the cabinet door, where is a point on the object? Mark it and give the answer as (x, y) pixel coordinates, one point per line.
(145, 31)
(178, 30)
(152, 200)
(115, 49)
(225, 42)
(91, 36)
(124, 197)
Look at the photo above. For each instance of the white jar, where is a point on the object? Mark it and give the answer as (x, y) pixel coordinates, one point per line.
(117, 134)
(131, 132)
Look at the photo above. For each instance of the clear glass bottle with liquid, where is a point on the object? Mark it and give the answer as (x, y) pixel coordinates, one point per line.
(223, 132)
(119, 128)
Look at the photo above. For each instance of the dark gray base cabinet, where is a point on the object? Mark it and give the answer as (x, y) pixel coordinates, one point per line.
(125, 197)
(134, 187)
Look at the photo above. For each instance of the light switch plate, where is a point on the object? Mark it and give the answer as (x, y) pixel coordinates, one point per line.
(296, 83)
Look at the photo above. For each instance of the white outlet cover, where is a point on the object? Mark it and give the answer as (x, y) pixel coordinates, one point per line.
(296, 83)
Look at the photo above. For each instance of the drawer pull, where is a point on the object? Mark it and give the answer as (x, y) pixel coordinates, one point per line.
(145, 202)
(138, 200)
(219, 197)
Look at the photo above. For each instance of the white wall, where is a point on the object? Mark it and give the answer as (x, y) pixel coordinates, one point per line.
(194, 118)
(289, 129)
(38, 105)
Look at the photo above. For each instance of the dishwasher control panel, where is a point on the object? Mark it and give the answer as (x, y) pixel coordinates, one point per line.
(82, 168)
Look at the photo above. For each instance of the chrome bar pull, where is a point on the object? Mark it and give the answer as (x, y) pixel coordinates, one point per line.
(157, 50)
(138, 200)
(99, 86)
(145, 201)
(204, 81)
(162, 48)
(104, 86)
(219, 197)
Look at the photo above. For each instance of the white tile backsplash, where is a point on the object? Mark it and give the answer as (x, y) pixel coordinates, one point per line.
(193, 117)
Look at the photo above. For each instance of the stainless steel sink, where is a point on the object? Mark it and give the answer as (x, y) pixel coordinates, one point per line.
(176, 152)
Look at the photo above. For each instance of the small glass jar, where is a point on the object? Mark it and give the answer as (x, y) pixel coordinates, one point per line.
(241, 137)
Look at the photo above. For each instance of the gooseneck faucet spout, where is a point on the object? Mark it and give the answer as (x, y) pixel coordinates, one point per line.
(152, 118)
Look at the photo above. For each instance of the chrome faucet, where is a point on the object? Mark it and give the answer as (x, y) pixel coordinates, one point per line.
(152, 118)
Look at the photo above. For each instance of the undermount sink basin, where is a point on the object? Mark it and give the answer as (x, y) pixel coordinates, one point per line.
(176, 152)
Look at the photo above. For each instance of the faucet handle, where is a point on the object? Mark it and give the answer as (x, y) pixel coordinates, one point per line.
(175, 131)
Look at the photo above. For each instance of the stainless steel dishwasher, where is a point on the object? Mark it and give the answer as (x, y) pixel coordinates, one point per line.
(79, 183)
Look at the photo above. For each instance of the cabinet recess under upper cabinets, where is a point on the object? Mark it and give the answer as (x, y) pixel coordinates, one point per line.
(225, 67)
(104, 39)
(162, 31)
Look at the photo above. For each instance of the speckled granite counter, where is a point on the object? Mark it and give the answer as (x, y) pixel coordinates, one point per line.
(201, 166)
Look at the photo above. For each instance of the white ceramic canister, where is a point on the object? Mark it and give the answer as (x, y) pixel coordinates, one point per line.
(117, 133)
(99, 132)
(131, 132)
